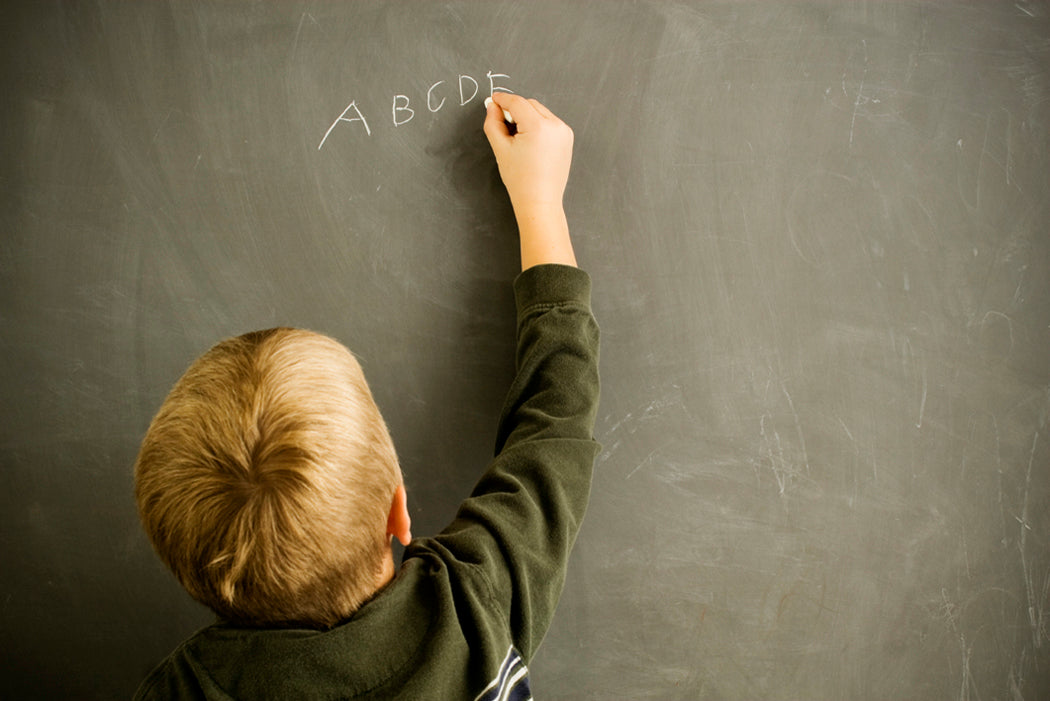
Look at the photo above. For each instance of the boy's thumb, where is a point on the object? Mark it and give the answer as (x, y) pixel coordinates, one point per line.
(495, 128)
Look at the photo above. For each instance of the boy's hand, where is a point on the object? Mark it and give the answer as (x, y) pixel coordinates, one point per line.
(534, 165)
(534, 162)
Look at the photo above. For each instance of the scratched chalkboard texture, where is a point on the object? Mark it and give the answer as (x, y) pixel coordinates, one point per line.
(820, 240)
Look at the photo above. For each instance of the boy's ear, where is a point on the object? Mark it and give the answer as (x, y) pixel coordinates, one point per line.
(399, 523)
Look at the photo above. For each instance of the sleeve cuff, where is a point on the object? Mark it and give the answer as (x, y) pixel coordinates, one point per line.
(552, 284)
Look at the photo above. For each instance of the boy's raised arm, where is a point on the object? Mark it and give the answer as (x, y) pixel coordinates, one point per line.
(512, 537)
(534, 165)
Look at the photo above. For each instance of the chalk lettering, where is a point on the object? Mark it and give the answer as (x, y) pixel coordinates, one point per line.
(431, 92)
(342, 118)
(405, 108)
(402, 112)
(492, 85)
(464, 100)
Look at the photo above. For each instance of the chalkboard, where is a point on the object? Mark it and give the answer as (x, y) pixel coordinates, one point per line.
(819, 235)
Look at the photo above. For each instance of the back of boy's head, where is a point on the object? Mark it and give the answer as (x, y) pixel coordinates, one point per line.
(266, 478)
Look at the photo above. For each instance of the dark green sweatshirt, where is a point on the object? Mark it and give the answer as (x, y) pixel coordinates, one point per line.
(468, 607)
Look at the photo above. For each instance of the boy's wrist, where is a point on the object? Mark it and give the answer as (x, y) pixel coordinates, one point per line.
(537, 209)
(544, 234)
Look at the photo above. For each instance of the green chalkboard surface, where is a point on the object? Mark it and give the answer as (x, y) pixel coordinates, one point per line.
(819, 235)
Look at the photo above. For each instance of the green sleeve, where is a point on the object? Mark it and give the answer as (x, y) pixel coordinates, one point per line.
(519, 524)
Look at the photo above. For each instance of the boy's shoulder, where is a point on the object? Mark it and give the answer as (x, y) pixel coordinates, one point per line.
(412, 635)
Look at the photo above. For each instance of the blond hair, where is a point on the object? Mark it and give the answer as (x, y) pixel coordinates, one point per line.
(266, 478)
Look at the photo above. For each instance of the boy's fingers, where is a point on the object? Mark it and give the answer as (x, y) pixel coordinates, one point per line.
(495, 127)
(521, 109)
(541, 108)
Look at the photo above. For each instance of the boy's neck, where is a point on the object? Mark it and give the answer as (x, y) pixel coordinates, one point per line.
(386, 574)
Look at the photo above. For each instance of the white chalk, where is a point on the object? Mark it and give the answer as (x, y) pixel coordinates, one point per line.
(506, 115)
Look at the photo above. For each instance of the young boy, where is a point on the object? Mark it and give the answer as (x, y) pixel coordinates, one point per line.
(269, 485)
